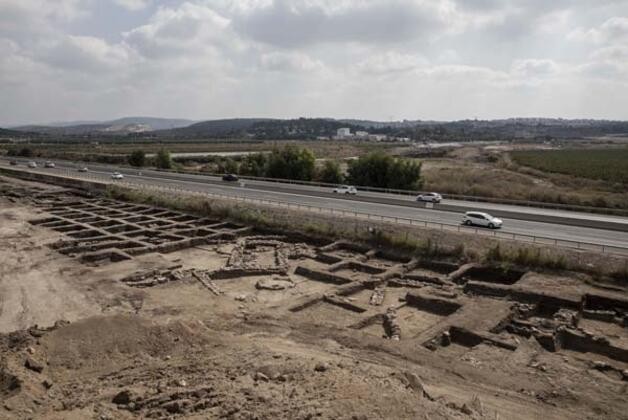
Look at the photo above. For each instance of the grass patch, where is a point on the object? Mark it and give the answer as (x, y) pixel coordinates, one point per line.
(525, 257)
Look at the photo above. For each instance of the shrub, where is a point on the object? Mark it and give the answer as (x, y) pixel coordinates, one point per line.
(137, 158)
(163, 159)
(331, 173)
(291, 162)
(380, 170)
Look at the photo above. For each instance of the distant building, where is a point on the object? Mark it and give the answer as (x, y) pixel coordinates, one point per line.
(344, 132)
(361, 134)
(377, 137)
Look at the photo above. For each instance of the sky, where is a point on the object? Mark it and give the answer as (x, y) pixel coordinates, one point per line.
(68, 60)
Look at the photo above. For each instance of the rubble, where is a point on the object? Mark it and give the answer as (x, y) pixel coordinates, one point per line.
(392, 328)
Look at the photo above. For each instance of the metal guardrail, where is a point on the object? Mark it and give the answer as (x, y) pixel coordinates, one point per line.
(540, 240)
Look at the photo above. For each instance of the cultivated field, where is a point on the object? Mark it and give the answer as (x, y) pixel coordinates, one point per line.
(486, 172)
(604, 164)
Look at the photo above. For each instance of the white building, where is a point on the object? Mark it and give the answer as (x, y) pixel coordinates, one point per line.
(342, 133)
(362, 134)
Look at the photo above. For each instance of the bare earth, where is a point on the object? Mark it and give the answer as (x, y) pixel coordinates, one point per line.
(194, 318)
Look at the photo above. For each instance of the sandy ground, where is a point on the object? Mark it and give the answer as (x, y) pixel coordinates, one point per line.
(176, 350)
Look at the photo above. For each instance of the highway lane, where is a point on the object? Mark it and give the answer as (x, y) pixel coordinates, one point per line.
(347, 203)
(350, 204)
(504, 211)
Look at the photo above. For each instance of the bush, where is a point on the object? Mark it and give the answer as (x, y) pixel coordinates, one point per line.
(23, 151)
(163, 159)
(291, 162)
(380, 170)
(137, 158)
(254, 165)
(228, 166)
(331, 173)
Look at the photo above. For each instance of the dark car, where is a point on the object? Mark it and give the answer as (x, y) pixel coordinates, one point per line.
(13, 162)
(230, 177)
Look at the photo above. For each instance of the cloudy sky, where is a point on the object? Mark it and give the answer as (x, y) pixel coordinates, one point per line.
(376, 59)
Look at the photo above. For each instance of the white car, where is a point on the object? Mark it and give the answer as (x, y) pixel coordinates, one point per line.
(346, 189)
(83, 169)
(476, 218)
(117, 175)
(431, 197)
(32, 164)
(49, 164)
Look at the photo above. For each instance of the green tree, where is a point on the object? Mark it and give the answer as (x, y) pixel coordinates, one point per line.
(163, 159)
(137, 158)
(228, 166)
(254, 165)
(23, 151)
(331, 173)
(291, 162)
(378, 169)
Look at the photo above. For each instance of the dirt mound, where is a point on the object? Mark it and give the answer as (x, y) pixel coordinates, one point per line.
(127, 366)
(99, 341)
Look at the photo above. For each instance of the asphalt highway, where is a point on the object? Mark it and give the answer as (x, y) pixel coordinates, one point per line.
(545, 223)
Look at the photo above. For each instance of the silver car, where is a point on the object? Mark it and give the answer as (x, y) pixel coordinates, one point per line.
(430, 197)
(476, 218)
(346, 189)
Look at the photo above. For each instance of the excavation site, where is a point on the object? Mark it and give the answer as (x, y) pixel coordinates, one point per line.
(117, 310)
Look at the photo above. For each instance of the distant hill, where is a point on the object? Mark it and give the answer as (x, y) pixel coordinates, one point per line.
(301, 128)
(125, 125)
(380, 124)
(4, 132)
(233, 127)
(262, 129)
(312, 128)
(72, 130)
(153, 123)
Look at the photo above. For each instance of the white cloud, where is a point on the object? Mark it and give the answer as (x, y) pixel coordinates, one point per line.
(228, 58)
(613, 30)
(133, 5)
(618, 53)
(299, 23)
(191, 28)
(390, 62)
(534, 68)
(85, 53)
(290, 62)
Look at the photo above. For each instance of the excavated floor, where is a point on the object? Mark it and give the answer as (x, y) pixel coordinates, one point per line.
(348, 285)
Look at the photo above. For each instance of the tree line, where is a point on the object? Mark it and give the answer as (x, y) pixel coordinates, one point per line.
(376, 169)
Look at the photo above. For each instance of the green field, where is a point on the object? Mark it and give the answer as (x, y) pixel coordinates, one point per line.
(605, 164)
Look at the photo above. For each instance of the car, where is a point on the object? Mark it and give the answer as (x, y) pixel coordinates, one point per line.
(32, 164)
(117, 175)
(431, 197)
(230, 177)
(13, 162)
(345, 189)
(49, 164)
(83, 169)
(476, 218)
